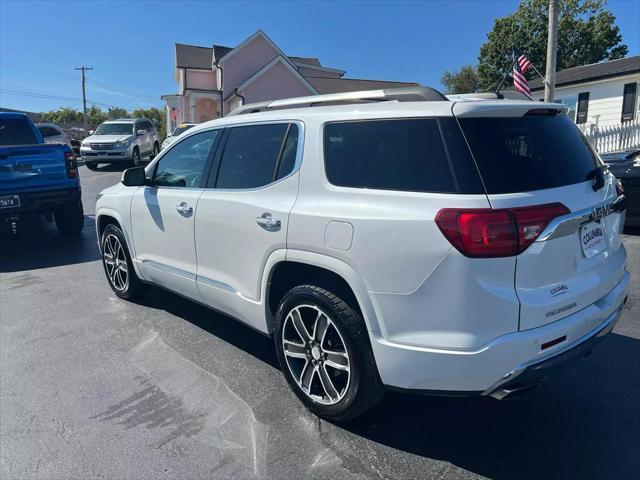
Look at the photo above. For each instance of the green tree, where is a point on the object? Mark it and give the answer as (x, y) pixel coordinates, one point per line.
(95, 116)
(62, 115)
(156, 115)
(465, 80)
(116, 112)
(586, 34)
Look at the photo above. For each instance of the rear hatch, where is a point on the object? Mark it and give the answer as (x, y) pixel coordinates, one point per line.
(534, 155)
(31, 167)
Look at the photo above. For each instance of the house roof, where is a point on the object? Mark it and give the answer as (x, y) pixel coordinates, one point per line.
(306, 60)
(595, 71)
(192, 56)
(339, 85)
(219, 51)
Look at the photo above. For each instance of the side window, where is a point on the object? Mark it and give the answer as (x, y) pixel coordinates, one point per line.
(184, 164)
(251, 156)
(48, 132)
(148, 126)
(403, 155)
(289, 151)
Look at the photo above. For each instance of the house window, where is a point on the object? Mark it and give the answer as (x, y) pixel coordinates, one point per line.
(583, 107)
(570, 101)
(629, 102)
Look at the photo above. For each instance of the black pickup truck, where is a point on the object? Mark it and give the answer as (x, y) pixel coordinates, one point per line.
(36, 178)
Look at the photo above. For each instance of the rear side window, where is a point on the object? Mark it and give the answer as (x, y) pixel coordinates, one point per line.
(16, 131)
(257, 155)
(398, 154)
(528, 153)
(48, 132)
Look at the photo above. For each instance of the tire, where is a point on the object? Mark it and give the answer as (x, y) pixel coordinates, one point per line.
(69, 218)
(155, 152)
(341, 340)
(117, 265)
(135, 157)
(91, 165)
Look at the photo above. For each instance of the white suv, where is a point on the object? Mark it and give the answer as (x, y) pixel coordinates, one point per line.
(392, 238)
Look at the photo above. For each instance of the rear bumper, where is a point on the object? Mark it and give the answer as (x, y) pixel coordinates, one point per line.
(518, 356)
(41, 202)
(529, 375)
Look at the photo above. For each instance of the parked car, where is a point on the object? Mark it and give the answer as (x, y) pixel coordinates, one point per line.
(126, 140)
(626, 167)
(54, 134)
(37, 178)
(414, 243)
(181, 128)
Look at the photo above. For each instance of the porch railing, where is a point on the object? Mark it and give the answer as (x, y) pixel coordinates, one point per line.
(612, 138)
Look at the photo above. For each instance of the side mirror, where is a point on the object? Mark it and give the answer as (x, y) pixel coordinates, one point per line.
(134, 177)
(169, 134)
(141, 132)
(91, 132)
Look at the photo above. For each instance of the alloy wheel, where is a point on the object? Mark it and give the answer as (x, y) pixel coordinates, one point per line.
(136, 158)
(316, 354)
(115, 260)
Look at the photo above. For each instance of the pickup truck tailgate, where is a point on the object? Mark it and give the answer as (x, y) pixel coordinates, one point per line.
(33, 167)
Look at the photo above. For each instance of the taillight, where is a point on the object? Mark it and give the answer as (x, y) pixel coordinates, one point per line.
(490, 233)
(70, 163)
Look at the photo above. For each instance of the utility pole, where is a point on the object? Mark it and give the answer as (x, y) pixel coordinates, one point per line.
(84, 98)
(552, 48)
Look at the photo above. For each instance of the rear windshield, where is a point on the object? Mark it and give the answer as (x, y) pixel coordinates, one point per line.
(115, 129)
(528, 153)
(16, 131)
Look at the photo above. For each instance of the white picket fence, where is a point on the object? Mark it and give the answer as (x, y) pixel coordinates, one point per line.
(612, 138)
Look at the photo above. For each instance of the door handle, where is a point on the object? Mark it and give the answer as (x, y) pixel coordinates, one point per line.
(267, 222)
(184, 209)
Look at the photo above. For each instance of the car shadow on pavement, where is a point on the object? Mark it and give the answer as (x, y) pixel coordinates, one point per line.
(38, 244)
(584, 423)
(225, 328)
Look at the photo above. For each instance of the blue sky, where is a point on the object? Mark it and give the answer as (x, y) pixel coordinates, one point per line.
(131, 44)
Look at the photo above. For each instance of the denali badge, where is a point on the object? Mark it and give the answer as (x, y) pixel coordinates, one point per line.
(561, 309)
(559, 290)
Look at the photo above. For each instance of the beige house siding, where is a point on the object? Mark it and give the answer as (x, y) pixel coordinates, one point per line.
(247, 60)
(201, 80)
(277, 82)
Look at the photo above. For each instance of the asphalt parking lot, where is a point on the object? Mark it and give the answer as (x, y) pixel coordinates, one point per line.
(92, 386)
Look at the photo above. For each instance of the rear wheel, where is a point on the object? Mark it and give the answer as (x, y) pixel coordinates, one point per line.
(325, 355)
(135, 157)
(69, 218)
(91, 165)
(117, 264)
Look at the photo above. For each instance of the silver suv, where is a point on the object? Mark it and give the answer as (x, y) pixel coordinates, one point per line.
(126, 140)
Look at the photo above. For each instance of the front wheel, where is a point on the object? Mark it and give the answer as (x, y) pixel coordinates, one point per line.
(91, 165)
(324, 352)
(69, 218)
(156, 151)
(117, 264)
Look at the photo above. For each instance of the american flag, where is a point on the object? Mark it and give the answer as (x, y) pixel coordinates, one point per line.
(520, 65)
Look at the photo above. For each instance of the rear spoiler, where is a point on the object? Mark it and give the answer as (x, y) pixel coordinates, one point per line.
(506, 108)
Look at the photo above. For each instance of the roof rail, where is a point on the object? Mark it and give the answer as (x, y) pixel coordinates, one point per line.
(400, 94)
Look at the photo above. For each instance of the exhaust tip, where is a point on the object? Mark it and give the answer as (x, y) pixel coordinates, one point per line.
(513, 391)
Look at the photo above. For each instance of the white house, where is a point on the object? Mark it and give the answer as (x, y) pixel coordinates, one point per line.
(601, 94)
(603, 99)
